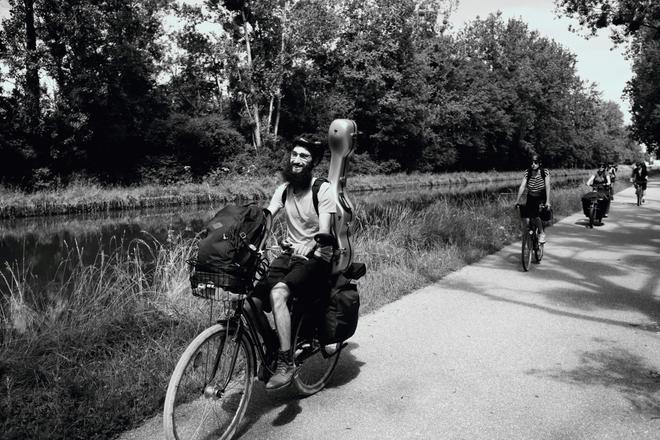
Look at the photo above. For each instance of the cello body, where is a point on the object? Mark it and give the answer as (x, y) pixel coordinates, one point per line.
(342, 135)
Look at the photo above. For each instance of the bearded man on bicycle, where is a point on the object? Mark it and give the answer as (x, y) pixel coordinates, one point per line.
(304, 267)
(537, 183)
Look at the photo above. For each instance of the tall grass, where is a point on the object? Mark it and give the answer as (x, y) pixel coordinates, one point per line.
(91, 355)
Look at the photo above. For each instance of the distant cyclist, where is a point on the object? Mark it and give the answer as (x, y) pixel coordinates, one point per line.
(537, 183)
(612, 169)
(639, 177)
(601, 183)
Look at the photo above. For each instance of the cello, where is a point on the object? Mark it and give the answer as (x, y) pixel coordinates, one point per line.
(342, 136)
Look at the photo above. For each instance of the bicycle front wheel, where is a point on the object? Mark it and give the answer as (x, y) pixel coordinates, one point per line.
(526, 255)
(639, 196)
(210, 388)
(314, 362)
(592, 214)
(538, 252)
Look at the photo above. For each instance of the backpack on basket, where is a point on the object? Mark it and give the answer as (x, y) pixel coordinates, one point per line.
(341, 314)
(230, 246)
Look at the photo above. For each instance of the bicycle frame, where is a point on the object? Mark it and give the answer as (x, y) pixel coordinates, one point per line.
(533, 229)
(638, 193)
(530, 236)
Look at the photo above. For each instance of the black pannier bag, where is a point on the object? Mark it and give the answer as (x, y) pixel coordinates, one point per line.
(603, 202)
(230, 247)
(546, 214)
(341, 314)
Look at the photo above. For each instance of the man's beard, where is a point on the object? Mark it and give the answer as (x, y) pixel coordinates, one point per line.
(301, 180)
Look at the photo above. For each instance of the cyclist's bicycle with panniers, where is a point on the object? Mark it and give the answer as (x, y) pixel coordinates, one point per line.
(211, 385)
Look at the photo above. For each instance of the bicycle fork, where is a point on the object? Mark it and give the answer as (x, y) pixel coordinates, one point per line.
(214, 390)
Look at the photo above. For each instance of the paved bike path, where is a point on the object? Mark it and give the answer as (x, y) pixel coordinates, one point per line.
(569, 350)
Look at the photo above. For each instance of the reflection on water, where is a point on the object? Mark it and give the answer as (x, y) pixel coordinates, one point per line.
(41, 243)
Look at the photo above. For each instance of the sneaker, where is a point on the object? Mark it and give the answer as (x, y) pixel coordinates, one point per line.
(331, 349)
(605, 215)
(283, 373)
(643, 200)
(542, 237)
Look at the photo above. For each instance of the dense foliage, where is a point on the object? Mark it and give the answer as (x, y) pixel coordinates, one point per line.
(165, 90)
(636, 22)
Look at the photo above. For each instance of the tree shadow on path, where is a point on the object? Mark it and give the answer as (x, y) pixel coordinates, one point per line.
(616, 368)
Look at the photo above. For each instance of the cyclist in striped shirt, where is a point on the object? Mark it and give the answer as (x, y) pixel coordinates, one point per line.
(537, 183)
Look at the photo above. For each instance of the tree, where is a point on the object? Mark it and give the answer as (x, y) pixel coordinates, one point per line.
(625, 18)
(638, 23)
(518, 92)
(21, 55)
(644, 92)
(274, 38)
(104, 67)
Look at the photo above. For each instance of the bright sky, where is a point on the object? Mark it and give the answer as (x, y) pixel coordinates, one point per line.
(596, 61)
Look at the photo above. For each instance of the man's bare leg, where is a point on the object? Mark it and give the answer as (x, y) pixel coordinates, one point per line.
(284, 371)
(279, 297)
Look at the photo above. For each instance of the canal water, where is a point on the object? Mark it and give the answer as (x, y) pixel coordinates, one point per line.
(39, 245)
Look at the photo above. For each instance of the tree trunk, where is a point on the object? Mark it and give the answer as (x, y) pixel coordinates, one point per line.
(256, 128)
(277, 116)
(33, 91)
(270, 112)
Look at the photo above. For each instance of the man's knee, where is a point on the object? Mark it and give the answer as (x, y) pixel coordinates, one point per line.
(279, 294)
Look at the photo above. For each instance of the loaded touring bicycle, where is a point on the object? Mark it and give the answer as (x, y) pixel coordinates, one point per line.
(210, 388)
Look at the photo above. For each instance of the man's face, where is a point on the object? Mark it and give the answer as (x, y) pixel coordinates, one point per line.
(300, 160)
(299, 170)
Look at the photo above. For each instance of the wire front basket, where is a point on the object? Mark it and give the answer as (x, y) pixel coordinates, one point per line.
(215, 287)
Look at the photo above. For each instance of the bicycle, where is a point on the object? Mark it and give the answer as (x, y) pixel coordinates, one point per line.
(639, 192)
(211, 385)
(596, 209)
(530, 241)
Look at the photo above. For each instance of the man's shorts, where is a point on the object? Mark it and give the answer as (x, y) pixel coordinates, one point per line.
(306, 279)
(641, 183)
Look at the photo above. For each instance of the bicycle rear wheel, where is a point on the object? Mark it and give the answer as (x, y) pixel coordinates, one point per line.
(314, 363)
(210, 388)
(592, 213)
(526, 255)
